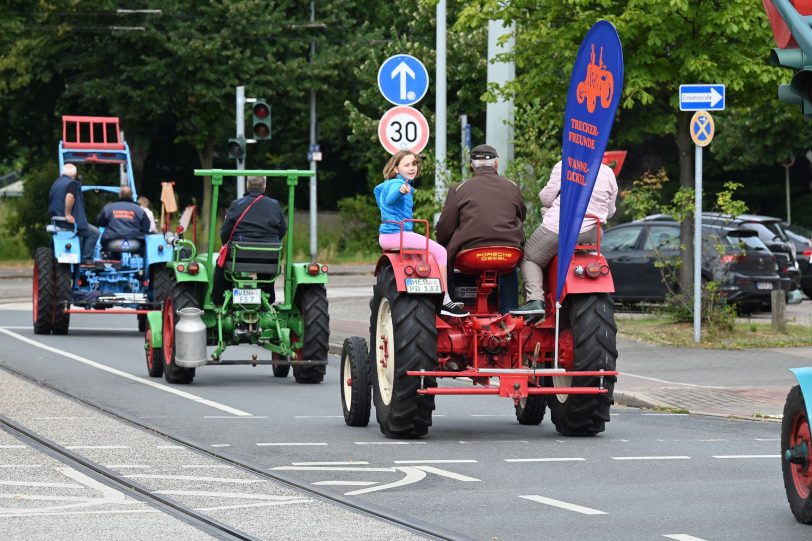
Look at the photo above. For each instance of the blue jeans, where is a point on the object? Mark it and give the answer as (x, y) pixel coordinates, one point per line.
(88, 235)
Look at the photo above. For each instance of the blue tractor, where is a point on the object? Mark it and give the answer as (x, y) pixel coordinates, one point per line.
(129, 277)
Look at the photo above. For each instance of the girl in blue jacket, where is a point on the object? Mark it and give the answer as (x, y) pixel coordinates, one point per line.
(395, 197)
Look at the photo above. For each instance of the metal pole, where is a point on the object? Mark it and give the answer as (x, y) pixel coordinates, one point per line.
(464, 145)
(440, 105)
(698, 244)
(240, 117)
(500, 114)
(313, 165)
(786, 183)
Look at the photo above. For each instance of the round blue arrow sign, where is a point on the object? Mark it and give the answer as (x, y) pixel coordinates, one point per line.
(403, 79)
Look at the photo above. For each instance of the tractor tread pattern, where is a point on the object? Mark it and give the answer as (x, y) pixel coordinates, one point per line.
(44, 263)
(63, 288)
(184, 295)
(532, 413)
(355, 348)
(312, 303)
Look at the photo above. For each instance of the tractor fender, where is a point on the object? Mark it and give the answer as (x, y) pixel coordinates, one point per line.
(155, 325)
(300, 276)
(804, 377)
(184, 276)
(67, 247)
(399, 262)
(581, 284)
(157, 250)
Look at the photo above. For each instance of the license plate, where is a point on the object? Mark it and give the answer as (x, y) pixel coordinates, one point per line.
(246, 296)
(764, 285)
(67, 258)
(423, 285)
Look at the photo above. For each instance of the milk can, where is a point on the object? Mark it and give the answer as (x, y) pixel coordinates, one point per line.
(190, 338)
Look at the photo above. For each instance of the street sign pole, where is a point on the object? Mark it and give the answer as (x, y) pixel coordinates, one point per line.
(241, 133)
(313, 162)
(698, 244)
(440, 107)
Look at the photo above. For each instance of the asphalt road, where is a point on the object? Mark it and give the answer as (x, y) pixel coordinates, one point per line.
(478, 472)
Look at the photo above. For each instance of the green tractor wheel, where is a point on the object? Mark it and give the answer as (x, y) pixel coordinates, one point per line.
(311, 300)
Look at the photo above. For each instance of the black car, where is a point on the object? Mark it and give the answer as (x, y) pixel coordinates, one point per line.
(736, 258)
(801, 238)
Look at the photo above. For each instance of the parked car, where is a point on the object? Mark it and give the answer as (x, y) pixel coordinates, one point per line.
(801, 237)
(736, 258)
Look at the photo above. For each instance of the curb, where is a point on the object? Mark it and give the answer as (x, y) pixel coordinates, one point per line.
(636, 400)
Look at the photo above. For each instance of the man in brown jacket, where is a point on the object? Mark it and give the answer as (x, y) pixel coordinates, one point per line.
(485, 210)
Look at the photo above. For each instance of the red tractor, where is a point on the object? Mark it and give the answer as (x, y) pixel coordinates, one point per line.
(411, 347)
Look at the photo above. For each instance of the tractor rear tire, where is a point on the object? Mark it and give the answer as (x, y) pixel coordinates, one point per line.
(530, 410)
(356, 386)
(795, 432)
(591, 317)
(43, 291)
(161, 280)
(311, 300)
(63, 286)
(404, 338)
(184, 295)
(155, 356)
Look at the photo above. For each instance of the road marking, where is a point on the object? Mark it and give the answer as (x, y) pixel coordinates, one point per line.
(21, 466)
(73, 447)
(498, 441)
(674, 457)
(12, 447)
(233, 417)
(690, 440)
(330, 468)
(345, 483)
(446, 473)
(125, 375)
(562, 459)
(413, 475)
(683, 537)
(194, 478)
(673, 382)
(462, 461)
(38, 484)
(768, 439)
(220, 445)
(564, 505)
(345, 463)
(389, 443)
(61, 418)
(180, 447)
(289, 444)
(746, 456)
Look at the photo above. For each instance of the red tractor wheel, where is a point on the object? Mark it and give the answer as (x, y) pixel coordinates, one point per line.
(404, 337)
(155, 356)
(796, 445)
(530, 410)
(183, 295)
(591, 319)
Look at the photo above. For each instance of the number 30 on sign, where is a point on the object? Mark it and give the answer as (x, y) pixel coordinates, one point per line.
(403, 128)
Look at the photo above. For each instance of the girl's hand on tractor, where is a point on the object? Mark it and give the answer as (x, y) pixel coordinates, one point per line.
(405, 188)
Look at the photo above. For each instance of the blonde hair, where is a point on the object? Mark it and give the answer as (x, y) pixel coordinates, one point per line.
(390, 170)
(143, 201)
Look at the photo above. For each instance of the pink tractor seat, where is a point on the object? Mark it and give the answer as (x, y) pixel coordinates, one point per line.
(501, 259)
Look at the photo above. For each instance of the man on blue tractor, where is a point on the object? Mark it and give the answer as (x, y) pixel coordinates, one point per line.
(65, 199)
(252, 218)
(125, 223)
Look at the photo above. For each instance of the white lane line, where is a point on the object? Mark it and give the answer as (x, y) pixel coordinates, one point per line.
(290, 444)
(746, 456)
(446, 473)
(330, 468)
(233, 417)
(768, 439)
(38, 484)
(220, 445)
(125, 375)
(389, 443)
(345, 483)
(214, 466)
(462, 461)
(690, 440)
(548, 459)
(345, 463)
(12, 446)
(318, 416)
(673, 457)
(658, 380)
(683, 537)
(413, 475)
(564, 505)
(72, 447)
(194, 478)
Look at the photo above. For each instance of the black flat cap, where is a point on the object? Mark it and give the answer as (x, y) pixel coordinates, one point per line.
(483, 152)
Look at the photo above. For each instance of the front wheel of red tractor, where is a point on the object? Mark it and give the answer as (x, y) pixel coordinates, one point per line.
(530, 410)
(404, 337)
(591, 317)
(796, 445)
(184, 295)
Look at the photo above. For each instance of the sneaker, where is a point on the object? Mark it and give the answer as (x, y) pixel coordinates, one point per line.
(452, 310)
(530, 308)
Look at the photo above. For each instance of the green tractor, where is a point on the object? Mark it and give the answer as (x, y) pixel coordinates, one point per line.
(295, 331)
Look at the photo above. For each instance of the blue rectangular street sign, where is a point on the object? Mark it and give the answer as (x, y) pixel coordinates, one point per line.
(701, 97)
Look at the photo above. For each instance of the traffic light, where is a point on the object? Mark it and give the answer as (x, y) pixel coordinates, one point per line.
(262, 120)
(794, 39)
(236, 148)
(799, 90)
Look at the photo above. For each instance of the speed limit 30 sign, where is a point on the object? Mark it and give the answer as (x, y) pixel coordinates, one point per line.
(403, 128)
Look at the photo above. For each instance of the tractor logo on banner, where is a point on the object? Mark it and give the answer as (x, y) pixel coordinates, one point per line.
(586, 131)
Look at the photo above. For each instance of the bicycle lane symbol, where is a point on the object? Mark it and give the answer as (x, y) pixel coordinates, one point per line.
(702, 128)
(411, 474)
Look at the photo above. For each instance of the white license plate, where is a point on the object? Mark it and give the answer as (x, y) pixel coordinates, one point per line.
(67, 258)
(764, 285)
(423, 285)
(246, 296)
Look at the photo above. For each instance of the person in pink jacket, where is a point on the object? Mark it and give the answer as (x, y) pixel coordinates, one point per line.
(542, 246)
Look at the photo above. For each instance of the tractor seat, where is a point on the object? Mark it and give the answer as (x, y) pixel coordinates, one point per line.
(501, 259)
(117, 246)
(59, 223)
(259, 257)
